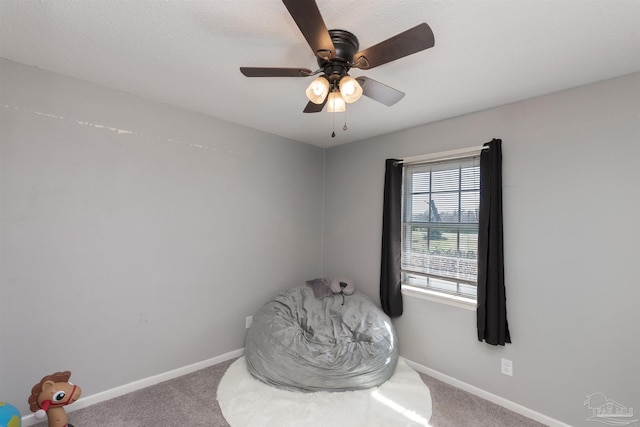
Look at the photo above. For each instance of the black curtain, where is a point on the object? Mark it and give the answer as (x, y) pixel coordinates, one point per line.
(390, 294)
(492, 302)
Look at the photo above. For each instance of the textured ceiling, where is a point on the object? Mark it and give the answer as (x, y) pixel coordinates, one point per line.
(187, 53)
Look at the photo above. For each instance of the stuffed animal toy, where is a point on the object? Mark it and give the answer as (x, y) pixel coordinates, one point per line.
(51, 395)
(342, 286)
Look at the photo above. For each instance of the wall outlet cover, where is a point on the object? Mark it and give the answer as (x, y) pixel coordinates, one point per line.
(507, 367)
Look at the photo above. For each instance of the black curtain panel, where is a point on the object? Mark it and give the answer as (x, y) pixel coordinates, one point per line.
(492, 302)
(390, 293)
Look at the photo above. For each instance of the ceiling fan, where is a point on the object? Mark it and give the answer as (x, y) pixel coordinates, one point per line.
(337, 52)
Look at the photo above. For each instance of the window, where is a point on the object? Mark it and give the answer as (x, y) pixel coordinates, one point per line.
(440, 226)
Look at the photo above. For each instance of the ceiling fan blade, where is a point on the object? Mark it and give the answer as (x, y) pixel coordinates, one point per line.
(275, 72)
(313, 107)
(379, 92)
(404, 44)
(309, 20)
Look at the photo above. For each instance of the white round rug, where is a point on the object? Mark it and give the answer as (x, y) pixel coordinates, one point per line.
(404, 400)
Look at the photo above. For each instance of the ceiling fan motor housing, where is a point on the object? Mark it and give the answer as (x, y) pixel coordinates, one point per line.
(346, 45)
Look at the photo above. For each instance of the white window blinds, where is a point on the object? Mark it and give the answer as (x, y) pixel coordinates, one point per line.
(440, 225)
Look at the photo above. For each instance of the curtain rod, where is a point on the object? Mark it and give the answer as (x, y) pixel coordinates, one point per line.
(443, 155)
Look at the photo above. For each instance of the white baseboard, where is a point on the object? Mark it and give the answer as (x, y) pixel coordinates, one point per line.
(512, 406)
(83, 402)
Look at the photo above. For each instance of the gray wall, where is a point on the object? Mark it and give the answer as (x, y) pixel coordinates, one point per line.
(136, 236)
(571, 205)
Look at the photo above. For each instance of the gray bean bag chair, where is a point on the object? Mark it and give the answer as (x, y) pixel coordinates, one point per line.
(306, 342)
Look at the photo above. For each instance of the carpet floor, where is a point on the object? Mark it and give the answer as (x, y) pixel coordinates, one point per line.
(190, 401)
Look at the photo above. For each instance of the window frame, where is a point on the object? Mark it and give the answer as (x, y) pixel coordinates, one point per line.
(457, 299)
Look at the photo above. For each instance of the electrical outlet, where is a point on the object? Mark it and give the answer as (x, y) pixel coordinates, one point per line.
(507, 367)
(247, 321)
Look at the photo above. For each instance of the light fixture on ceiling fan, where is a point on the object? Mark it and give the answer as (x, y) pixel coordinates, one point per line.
(336, 91)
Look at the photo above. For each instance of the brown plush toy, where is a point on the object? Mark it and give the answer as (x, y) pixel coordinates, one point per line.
(51, 395)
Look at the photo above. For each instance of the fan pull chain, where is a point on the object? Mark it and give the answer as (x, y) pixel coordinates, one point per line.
(345, 128)
(333, 134)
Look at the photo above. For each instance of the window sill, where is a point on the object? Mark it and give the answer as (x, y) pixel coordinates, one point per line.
(456, 301)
